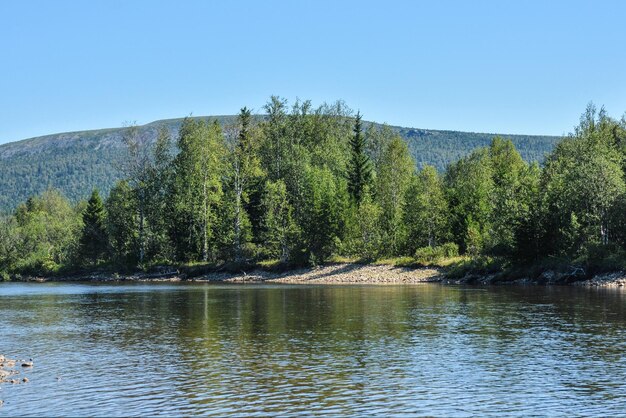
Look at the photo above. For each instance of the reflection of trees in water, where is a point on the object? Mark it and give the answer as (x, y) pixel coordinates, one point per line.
(239, 345)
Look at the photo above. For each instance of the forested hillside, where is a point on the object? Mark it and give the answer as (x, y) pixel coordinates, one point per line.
(76, 162)
(305, 186)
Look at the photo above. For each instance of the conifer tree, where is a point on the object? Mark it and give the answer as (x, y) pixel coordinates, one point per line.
(93, 243)
(122, 223)
(359, 169)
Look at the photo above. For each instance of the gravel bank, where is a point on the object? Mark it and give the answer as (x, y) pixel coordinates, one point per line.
(348, 273)
(342, 274)
(616, 279)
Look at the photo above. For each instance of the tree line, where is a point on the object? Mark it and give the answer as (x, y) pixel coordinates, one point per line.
(304, 185)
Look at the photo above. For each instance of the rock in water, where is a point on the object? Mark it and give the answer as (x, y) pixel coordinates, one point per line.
(27, 364)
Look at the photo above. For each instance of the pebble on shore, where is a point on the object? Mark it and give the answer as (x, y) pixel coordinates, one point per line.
(341, 273)
(9, 364)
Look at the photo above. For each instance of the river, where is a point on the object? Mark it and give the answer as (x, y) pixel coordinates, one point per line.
(428, 349)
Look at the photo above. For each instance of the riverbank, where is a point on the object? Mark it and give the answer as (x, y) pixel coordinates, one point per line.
(335, 273)
(341, 273)
(346, 273)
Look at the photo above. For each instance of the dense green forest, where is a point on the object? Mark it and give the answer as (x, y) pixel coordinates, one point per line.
(302, 186)
(76, 162)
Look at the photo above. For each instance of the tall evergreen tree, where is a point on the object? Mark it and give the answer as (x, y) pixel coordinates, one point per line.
(323, 223)
(93, 243)
(275, 144)
(360, 168)
(158, 184)
(122, 223)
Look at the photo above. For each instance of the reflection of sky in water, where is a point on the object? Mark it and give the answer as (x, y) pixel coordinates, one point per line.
(146, 349)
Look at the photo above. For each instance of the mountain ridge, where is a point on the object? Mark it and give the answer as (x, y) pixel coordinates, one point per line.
(76, 162)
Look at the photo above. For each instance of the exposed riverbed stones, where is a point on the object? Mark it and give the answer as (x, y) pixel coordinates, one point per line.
(8, 369)
(351, 273)
(615, 279)
(344, 274)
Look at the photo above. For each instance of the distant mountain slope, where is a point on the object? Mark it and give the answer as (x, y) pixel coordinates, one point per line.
(76, 162)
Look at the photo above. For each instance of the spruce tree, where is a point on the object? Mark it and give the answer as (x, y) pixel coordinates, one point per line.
(359, 168)
(93, 241)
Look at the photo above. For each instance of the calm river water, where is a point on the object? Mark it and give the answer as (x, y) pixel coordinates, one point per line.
(120, 350)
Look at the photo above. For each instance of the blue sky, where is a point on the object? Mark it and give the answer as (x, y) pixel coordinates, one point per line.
(486, 66)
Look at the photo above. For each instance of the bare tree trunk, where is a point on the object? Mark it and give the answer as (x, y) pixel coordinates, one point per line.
(431, 234)
(284, 245)
(238, 193)
(142, 250)
(604, 234)
(205, 238)
(604, 229)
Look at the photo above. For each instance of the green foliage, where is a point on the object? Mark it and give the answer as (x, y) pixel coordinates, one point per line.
(581, 185)
(196, 189)
(512, 179)
(76, 162)
(425, 212)
(122, 224)
(429, 255)
(364, 230)
(156, 241)
(359, 168)
(10, 240)
(393, 179)
(477, 266)
(323, 221)
(469, 185)
(305, 185)
(279, 229)
(42, 235)
(93, 244)
(243, 178)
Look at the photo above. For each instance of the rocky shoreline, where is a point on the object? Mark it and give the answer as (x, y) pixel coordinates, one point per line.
(345, 273)
(339, 273)
(547, 278)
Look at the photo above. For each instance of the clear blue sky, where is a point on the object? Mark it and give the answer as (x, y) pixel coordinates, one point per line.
(486, 66)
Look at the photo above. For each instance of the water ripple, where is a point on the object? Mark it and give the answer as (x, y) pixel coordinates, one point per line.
(291, 350)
